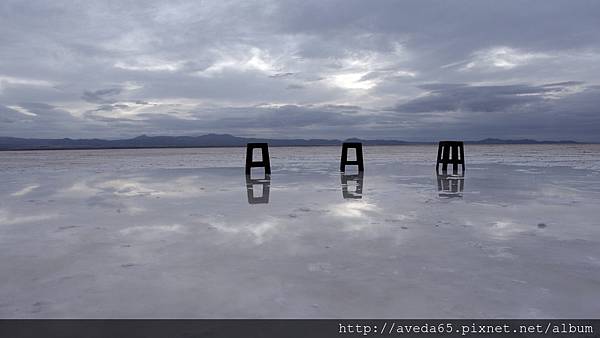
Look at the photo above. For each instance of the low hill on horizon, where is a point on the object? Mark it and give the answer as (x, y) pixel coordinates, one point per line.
(209, 140)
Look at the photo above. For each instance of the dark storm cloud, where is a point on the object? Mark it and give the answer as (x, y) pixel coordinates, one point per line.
(101, 96)
(293, 116)
(465, 98)
(46, 120)
(283, 68)
(566, 109)
(110, 107)
(295, 86)
(278, 75)
(290, 117)
(296, 120)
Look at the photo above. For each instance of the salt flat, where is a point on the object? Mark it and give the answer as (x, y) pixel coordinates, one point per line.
(170, 233)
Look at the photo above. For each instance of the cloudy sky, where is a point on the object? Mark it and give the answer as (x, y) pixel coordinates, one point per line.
(412, 70)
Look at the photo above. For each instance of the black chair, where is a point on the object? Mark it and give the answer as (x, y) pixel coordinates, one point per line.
(266, 163)
(450, 152)
(359, 156)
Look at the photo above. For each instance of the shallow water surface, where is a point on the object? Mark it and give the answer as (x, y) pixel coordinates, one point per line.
(184, 233)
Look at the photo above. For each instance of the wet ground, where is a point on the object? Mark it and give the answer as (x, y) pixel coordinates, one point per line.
(184, 233)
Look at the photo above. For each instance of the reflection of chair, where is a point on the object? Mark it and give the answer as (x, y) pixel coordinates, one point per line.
(266, 187)
(265, 162)
(450, 185)
(359, 156)
(450, 152)
(358, 179)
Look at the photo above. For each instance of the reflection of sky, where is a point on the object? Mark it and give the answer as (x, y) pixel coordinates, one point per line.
(91, 243)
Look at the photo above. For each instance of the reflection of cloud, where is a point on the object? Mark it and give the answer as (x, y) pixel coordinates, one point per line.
(562, 193)
(123, 187)
(153, 231)
(356, 214)
(505, 229)
(123, 194)
(182, 187)
(6, 218)
(80, 188)
(353, 209)
(259, 230)
(25, 190)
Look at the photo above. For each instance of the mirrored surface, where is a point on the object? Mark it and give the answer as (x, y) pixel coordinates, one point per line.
(169, 233)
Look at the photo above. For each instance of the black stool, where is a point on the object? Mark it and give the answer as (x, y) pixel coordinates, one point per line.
(357, 193)
(359, 156)
(266, 163)
(447, 148)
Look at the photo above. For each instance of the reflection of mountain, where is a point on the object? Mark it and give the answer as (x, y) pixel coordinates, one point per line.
(210, 140)
(450, 185)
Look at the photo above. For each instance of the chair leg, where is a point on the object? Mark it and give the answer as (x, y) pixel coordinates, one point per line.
(344, 158)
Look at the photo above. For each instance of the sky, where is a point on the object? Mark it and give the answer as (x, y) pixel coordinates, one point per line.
(406, 70)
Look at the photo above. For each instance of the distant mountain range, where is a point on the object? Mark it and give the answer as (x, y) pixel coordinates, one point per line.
(210, 140)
